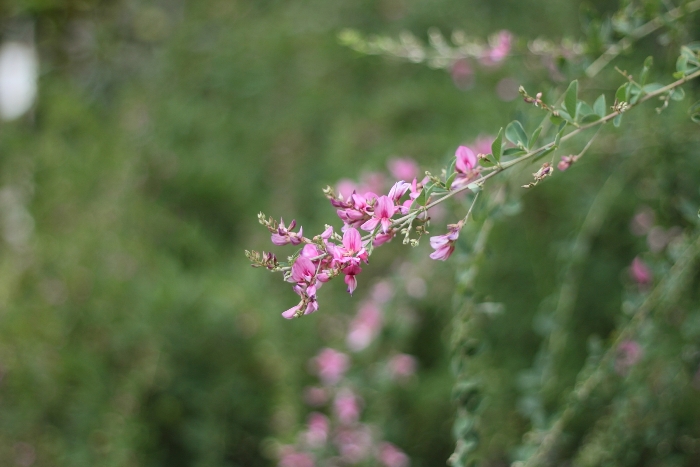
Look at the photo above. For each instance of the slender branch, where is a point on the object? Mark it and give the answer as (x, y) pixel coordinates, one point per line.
(643, 30)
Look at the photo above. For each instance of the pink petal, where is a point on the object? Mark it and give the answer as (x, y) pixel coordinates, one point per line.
(466, 159)
(352, 240)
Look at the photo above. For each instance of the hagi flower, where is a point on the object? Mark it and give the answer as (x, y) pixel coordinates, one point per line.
(384, 210)
(284, 235)
(465, 167)
(444, 245)
(331, 365)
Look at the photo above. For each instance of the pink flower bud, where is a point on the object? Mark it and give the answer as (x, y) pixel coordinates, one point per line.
(331, 365)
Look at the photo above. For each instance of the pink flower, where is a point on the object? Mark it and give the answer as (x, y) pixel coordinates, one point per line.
(346, 407)
(628, 354)
(364, 327)
(566, 162)
(354, 444)
(391, 456)
(640, 272)
(291, 458)
(398, 190)
(402, 366)
(331, 365)
(482, 144)
(500, 47)
(284, 235)
(349, 256)
(384, 209)
(317, 430)
(465, 167)
(403, 168)
(444, 244)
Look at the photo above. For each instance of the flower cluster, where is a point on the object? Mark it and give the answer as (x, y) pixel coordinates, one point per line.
(381, 217)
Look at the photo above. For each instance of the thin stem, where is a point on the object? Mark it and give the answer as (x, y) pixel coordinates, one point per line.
(643, 30)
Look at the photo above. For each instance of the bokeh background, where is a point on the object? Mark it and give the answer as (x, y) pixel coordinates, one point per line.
(133, 331)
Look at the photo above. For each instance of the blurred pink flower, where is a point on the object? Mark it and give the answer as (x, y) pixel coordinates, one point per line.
(402, 366)
(354, 444)
(640, 272)
(482, 144)
(628, 354)
(500, 45)
(331, 365)
(391, 456)
(317, 430)
(289, 457)
(365, 326)
(403, 168)
(346, 406)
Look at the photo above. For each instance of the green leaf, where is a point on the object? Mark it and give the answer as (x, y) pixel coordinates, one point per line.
(599, 106)
(423, 196)
(583, 109)
(635, 91)
(682, 64)
(571, 98)
(645, 70)
(534, 137)
(487, 162)
(515, 133)
(694, 112)
(555, 120)
(514, 152)
(565, 115)
(687, 52)
(616, 120)
(623, 93)
(497, 146)
(678, 94)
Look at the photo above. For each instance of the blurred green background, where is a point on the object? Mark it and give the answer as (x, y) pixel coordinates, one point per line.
(133, 332)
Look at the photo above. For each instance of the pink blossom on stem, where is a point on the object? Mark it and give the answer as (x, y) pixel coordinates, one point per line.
(331, 365)
(346, 406)
(465, 167)
(640, 272)
(444, 244)
(391, 456)
(284, 235)
(383, 212)
(403, 168)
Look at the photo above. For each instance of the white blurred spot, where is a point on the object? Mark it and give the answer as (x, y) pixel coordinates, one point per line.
(18, 77)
